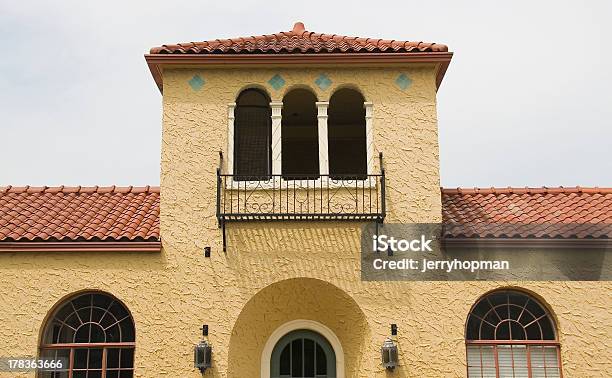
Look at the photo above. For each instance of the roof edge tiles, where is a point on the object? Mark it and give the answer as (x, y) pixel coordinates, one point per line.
(72, 246)
(512, 243)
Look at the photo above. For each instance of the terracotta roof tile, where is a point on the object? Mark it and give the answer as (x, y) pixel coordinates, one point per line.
(528, 212)
(79, 213)
(132, 213)
(298, 40)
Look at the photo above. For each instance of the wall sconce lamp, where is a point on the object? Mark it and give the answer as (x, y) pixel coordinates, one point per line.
(388, 351)
(202, 353)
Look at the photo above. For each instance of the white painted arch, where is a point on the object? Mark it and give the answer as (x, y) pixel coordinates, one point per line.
(294, 325)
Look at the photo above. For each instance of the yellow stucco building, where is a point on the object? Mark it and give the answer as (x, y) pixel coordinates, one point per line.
(276, 151)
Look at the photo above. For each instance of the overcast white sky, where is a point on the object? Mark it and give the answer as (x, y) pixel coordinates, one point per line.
(526, 100)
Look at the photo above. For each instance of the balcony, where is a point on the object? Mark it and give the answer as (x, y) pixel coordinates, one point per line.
(280, 197)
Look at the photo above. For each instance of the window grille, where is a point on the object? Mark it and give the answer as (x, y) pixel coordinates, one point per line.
(252, 136)
(303, 354)
(510, 334)
(95, 333)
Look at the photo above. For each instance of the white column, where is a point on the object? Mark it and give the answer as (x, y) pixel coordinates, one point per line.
(323, 150)
(369, 107)
(230, 138)
(276, 137)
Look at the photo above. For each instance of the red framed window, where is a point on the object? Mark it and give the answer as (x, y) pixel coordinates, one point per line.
(95, 333)
(510, 334)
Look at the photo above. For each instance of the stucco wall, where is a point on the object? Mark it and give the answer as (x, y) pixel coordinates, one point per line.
(405, 127)
(274, 273)
(169, 305)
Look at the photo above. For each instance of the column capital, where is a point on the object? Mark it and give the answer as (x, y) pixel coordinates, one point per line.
(276, 109)
(368, 106)
(322, 109)
(230, 112)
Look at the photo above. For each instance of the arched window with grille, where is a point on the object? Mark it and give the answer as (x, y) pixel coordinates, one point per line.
(510, 334)
(346, 129)
(299, 130)
(303, 353)
(95, 333)
(252, 136)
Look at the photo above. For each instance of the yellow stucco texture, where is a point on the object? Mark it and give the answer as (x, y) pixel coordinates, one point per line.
(273, 273)
(405, 126)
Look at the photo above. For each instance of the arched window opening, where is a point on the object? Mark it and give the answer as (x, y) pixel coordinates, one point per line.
(252, 136)
(299, 134)
(510, 334)
(346, 129)
(303, 353)
(95, 334)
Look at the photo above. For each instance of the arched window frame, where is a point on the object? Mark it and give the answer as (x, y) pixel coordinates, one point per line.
(529, 345)
(51, 349)
(293, 325)
(369, 130)
(304, 334)
(231, 129)
(276, 115)
(306, 92)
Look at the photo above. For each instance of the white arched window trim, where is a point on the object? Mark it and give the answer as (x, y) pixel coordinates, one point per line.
(231, 107)
(277, 145)
(310, 325)
(369, 110)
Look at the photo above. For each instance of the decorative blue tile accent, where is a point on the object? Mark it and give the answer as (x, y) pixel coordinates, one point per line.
(323, 82)
(403, 81)
(276, 82)
(196, 82)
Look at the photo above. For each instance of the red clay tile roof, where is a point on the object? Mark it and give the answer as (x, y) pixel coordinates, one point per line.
(132, 214)
(298, 40)
(61, 214)
(528, 212)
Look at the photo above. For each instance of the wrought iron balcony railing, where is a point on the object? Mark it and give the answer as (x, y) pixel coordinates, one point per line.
(281, 197)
